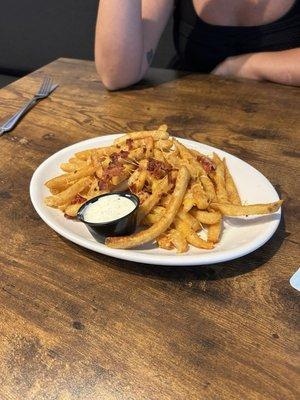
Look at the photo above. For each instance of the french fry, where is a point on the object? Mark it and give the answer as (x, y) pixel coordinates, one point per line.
(163, 144)
(206, 217)
(137, 154)
(214, 231)
(188, 200)
(197, 153)
(158, 155)
(68, 167)
(164, 241)
(231, 210)
(178, 240)
(232, 192)
(99, 172)
(153, 199)
(156, 135)
(116, 180)
(219, 179)
(189, 160)
(183, 151)
(200, 197)
(193, 167)
(67, 195)
(165, 200)
(93, 189)
(148, 145)
(136, 239)
(195, 196)
(55, 191)
(189, 219)
(137, 180)
(155, 215)
(192, 236)
(85, 154)
(173, 160)
(143, 196)
(63, 181)
(97, 152)
(63, 207)
(150, 219)
(163, 128)
(209, 188)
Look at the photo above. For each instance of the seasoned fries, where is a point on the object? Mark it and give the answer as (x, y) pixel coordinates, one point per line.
(214, 231)
(232, 210)
(181, 191)
(137, 239)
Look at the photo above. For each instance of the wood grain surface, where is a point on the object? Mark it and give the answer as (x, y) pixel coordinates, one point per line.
(75, 325)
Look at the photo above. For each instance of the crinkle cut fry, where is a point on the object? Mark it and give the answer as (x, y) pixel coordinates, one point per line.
(137, 239)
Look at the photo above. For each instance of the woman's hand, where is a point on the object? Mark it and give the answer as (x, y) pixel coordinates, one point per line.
(276, 66)
(238, 66)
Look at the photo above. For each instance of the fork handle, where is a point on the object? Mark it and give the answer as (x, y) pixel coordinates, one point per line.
(12, 121)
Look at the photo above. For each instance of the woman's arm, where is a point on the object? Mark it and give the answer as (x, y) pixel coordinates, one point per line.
(276, 66)
(127, 34)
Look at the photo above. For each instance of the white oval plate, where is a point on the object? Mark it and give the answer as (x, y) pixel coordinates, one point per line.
(240, 236)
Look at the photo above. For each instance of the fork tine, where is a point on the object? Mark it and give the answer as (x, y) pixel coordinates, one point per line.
(43, 84)
(48, 86)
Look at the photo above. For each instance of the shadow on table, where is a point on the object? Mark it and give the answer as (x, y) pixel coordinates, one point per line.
(219, 271)
(155, 77)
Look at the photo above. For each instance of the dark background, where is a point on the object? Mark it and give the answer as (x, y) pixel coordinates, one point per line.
(36, 32)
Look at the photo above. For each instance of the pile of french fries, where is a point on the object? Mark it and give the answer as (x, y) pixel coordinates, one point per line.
(181, 191)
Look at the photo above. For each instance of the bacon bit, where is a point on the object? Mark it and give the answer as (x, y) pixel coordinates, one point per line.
(129, 143)
(103, 185)
(114, 158)
(158, 168)
(132, 188)
(118, 158)
(124, 153)
(147, 187)
(78, 199)
(113, 170)
(206, 163)
(172, 180)
(142, 196)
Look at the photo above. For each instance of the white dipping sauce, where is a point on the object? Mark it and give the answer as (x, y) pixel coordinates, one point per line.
(108, 208)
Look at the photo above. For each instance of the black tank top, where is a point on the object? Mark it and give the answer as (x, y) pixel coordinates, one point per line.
(202, 46)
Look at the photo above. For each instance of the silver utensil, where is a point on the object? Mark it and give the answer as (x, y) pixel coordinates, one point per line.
(44, 91)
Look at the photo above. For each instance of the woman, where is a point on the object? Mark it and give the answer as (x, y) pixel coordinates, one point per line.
(255, 39)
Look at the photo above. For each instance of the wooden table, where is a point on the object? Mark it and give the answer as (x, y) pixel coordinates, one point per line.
(78, 325)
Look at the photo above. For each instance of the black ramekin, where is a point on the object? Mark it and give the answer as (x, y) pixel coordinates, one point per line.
(118, 227)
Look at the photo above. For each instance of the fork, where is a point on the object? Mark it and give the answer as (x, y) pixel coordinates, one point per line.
(44, 91)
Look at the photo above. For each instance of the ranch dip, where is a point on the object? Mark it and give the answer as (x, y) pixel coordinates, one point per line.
(108, 208)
